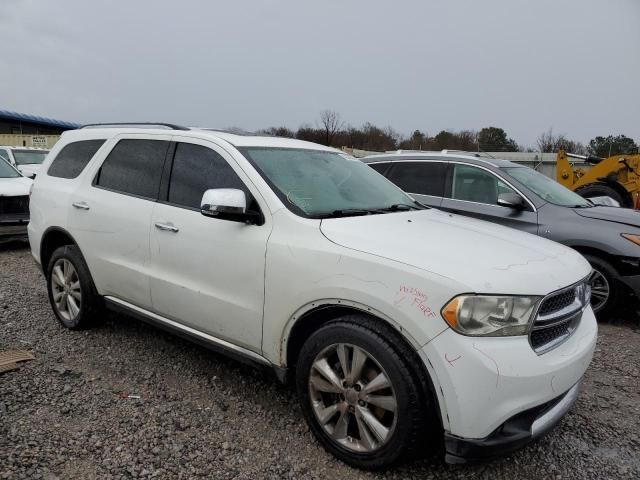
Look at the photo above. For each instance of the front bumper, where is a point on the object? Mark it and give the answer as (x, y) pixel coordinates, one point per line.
(494, 393)
(512, 434)
(13, 231)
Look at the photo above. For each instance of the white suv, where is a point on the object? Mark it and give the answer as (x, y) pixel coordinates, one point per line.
(395, 320)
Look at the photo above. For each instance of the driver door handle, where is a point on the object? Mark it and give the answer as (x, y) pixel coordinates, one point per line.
(167, 227)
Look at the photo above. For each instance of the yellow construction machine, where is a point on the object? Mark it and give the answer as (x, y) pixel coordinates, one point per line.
(617, 177)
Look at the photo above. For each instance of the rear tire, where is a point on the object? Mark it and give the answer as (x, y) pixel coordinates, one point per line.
(360, 396)
(604, 190)
(71, 290)
(606, 289)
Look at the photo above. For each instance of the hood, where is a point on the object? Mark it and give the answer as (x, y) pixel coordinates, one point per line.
(12, 187)
(625, 216)
(30, 169)
(481, 256)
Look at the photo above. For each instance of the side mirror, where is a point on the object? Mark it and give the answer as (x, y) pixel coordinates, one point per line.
(511, 200)
(227, 204)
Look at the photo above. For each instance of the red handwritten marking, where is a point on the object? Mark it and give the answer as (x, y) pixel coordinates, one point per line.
(451, 360)
(419, 299)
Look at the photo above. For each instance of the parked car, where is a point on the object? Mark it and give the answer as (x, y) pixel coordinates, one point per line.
(14, 203)
(25, 159)
(509, 194)
(394, 321)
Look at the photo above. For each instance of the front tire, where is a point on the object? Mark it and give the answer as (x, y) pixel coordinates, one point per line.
(72, 293)
(359, 395)
(605, 287)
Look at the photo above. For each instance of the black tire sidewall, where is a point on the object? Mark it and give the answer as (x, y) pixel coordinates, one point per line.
(403, 385)
(602, 189)
(72, 254)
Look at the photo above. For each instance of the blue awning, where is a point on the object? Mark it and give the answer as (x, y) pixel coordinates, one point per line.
(44, 121)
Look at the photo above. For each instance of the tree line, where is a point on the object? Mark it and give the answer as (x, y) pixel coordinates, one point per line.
(332, 131)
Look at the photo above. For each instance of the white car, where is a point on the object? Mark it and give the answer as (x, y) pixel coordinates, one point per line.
(25, 159)
(14, 203)
(394, 320)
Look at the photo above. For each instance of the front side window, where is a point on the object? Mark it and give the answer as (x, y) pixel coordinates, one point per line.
(423, 178)
(73, 158)
(546, 188)
(6, 170)
(195, 170)
(29, 157)
(134, 167)
(474, 184)
(317, 183)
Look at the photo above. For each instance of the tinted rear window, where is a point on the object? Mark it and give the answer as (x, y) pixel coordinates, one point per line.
(134, 167)
(423, 178)
(73, 158)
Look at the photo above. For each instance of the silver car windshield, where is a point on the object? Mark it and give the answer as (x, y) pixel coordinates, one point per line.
(546, 188)
(322, 184)
(27, 157)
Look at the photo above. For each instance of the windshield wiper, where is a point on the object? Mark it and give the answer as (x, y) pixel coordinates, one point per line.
(350, 212)
(404, 207)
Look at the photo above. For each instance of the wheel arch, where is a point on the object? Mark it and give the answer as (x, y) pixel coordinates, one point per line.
(309, 318)
(53, 238)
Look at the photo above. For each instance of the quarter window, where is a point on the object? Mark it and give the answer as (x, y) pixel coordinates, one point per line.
(423, 178)
(134, 167)
(72, 159)
(476, 185)
(197, 169)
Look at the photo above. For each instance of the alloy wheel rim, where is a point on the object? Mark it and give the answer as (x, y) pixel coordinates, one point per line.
(352, 398)
(65, 285)
(600, 290)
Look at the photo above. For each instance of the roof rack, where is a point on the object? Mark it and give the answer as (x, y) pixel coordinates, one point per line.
(467, 152)
(170, 126)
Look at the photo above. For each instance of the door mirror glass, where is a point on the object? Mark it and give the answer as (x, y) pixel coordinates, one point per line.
(511, 200)
(224, 203)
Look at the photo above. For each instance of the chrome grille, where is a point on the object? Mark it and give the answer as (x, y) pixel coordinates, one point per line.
(558, 316)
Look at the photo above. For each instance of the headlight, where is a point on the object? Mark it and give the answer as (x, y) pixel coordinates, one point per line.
(491, 316)
(631, 237)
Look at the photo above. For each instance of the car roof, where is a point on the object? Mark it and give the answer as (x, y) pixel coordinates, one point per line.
(13, 147)
(478, 158)
(235, 138)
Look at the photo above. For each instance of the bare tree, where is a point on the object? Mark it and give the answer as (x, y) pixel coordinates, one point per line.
(548, 142)
(331, 124)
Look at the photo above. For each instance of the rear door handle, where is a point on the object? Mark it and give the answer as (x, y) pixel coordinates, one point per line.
(167, 227)
(81, 205)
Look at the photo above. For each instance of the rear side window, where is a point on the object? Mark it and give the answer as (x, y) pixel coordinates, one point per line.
(134, 167)
(197, 169)
(72, 159)
(423, 178)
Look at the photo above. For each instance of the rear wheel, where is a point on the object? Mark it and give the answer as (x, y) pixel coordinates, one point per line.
(603, 190)
(605, 287)
(72, 293)
(359, 395)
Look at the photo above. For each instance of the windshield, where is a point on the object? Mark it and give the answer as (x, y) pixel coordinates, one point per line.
(25, 157)
(546, 188)
(7, 171)
(320, 184)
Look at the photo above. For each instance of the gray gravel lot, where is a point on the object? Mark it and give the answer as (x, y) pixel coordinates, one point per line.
(65, 415)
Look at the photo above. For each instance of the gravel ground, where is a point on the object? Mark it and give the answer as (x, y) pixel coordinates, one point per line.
(67, 414)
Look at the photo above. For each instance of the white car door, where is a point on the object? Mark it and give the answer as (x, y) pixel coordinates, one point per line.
(111, 215)
(208, 273)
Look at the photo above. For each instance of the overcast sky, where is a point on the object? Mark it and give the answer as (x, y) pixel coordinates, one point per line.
(523, 65)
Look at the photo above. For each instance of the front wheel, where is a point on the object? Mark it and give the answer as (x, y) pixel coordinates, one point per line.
(605, 287)
(359, 395)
